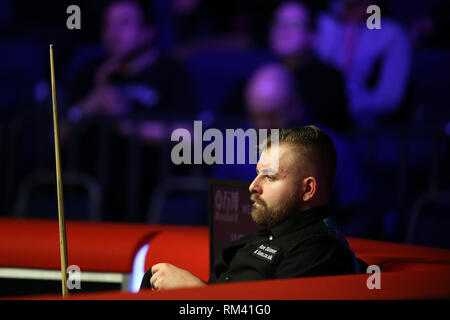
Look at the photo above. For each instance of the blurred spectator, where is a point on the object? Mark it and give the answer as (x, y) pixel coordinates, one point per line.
(320, 87)
(376, 63)
(133, 80)
(270, 98)
(146, 94)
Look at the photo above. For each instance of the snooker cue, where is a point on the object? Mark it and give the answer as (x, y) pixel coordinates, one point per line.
(59, 187)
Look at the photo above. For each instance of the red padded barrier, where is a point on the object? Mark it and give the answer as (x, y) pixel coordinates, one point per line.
(176, 248)
(411, 265)
(93, 246)
(414, 272)
(429, 284)
(379, 250)
(391, 256)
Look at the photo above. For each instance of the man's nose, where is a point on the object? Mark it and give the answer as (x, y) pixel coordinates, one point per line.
(255, 186)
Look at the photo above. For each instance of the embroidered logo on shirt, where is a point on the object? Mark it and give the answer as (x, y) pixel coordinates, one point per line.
(266, 253)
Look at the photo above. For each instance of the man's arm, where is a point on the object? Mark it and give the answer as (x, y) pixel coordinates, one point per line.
(390, 89)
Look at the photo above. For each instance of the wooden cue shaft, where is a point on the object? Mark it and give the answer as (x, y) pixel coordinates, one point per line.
(59, 187)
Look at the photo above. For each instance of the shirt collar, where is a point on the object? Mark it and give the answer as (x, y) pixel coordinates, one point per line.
(301, 220)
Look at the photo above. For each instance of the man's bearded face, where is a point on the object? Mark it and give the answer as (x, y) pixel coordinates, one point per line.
(276, 190)
(268, 216)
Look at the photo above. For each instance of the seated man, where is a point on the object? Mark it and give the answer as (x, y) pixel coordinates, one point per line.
(132, 80)
(298, 236)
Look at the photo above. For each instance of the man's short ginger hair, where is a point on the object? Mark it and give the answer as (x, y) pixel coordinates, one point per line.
(315, 145)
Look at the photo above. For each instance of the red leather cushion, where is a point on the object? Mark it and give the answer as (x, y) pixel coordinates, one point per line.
(412, 265)
(430, 284)
(382, 249)
(93, 246)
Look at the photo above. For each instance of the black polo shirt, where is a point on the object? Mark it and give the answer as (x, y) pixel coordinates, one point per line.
(304, 245)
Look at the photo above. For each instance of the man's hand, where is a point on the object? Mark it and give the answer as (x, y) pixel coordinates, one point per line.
(167, 276)
(111, 66)
(111, 102)
(104, 100)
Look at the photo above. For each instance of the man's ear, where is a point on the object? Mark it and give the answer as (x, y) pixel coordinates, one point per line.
(309, 188)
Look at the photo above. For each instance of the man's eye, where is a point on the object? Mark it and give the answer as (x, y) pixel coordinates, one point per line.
(270, 178)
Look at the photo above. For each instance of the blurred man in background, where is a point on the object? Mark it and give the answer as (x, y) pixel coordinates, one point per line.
(321, 88)
(144, 92)
(271, 98)
(376, 63)
(134, 79)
